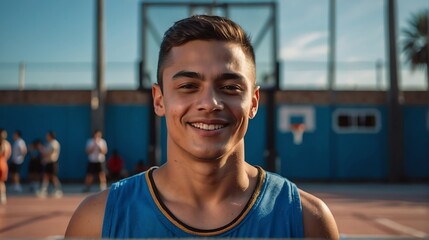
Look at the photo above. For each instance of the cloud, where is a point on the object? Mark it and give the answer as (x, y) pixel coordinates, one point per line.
(304, 80)
(310, 46)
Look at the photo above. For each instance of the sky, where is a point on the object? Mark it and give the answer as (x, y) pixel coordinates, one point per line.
(55, 41)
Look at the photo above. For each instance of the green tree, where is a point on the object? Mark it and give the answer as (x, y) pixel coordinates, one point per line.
(415, 41)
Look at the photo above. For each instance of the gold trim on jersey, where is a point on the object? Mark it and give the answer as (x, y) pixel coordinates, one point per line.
(202, 232)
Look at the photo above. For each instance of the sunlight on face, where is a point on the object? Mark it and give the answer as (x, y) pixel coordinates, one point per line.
(208, 97)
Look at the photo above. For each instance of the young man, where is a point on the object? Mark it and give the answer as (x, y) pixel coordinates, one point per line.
(206, 91)
(19, 150)
(96, 148)
(50, 154)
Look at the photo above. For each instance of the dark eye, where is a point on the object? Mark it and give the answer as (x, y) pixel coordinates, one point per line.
(232, 88)
(187, 86)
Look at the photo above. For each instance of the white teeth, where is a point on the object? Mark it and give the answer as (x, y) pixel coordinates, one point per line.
(208, 127)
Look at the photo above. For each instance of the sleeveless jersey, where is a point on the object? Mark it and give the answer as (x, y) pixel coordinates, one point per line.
(134, 210)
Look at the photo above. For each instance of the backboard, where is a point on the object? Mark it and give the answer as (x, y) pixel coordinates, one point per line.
(257, 18)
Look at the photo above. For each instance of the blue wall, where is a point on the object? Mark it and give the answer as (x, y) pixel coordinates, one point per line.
(70, 122)
(323, 154)
(126, 131)
(362, 155)
(255, 139)
(416, 142)
(311, 159)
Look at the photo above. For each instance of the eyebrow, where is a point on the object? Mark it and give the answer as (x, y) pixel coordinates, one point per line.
(187, 74)
(230, 76)
(196, 75)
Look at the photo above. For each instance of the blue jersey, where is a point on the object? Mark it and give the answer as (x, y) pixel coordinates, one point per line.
(135, 210)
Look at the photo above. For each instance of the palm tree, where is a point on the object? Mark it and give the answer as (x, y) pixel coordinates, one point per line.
(415, 41)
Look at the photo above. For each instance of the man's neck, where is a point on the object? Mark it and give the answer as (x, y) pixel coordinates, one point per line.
(205, 197)
(205, 181)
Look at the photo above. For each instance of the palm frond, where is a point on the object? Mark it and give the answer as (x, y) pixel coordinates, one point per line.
(415, 40)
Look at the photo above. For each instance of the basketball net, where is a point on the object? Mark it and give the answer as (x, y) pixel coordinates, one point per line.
(297, 131)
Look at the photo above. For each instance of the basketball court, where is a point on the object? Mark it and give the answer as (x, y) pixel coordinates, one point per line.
(362, 211)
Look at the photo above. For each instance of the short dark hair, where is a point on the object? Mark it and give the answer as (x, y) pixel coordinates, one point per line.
(3, 134)
(18, 133)
(96, 131)
(203, 27)
(52, 134)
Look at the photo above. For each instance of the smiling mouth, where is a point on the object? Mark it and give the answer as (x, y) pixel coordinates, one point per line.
(208, 127)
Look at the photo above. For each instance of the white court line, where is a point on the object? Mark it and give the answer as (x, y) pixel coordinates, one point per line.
(400, 228)
(372, 237)
(54, 237)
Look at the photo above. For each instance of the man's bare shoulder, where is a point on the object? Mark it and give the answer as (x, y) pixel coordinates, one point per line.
(318, 219)
(87, 220)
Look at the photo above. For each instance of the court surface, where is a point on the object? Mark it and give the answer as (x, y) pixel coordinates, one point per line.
(364, 211)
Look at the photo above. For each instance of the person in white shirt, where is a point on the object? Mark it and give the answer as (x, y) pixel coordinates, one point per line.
(96, 148)
(19, 150)
(50, 154)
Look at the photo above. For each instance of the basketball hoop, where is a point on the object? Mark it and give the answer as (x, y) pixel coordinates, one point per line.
(297, 131)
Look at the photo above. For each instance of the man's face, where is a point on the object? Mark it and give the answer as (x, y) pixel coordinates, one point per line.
(208, 97)
(97, 135)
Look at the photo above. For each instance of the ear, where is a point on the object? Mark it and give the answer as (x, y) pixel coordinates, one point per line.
(255, 103)
(158, 100)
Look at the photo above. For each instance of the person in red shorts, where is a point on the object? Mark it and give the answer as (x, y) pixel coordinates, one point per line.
(5, 152)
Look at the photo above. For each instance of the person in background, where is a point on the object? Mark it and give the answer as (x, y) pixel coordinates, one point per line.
(35, 167)
(96, 148)
(19, 150)
(50, 155)
(5, 152)
(140, 167)
(116, 166)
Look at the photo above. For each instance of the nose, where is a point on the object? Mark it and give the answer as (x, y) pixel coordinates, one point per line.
(209, 100)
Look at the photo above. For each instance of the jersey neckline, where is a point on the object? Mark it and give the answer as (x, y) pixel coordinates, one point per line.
(203, 232)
